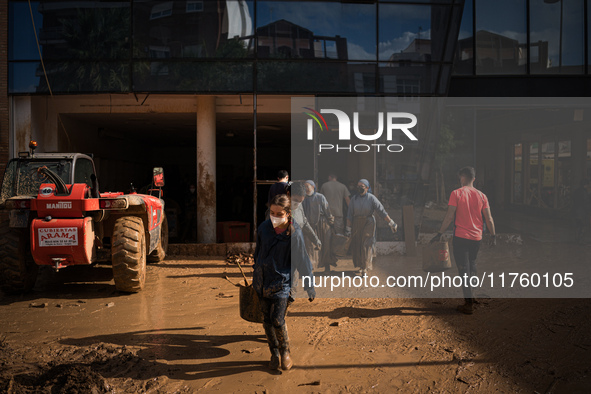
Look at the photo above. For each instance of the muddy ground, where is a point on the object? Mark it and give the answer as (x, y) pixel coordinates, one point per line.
(76, 334)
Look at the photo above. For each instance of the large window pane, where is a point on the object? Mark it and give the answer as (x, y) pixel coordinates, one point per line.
(24, 77)
(445, 73)
(557, 36)
(69, 77)
(21, 41)
(501, 37)
(85, 77)
(464, 57)
(420, 1)
(588, 36)
(316, 30)
(282, 76)
(70, 30)
(412, 32)
(187, 76)
(193, 29)
(409, 79)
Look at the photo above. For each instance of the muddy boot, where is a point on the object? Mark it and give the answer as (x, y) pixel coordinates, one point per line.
(286, 362)
(273, 346)
(467, 308)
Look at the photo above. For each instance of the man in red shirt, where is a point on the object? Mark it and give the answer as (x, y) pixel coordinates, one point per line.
(466, 207)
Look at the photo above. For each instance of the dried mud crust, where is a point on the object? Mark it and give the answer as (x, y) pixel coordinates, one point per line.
(549, 354)
(190, 338)
(97, 368)
(129, 254)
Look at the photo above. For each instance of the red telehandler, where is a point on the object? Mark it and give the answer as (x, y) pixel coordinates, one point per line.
(58, 217)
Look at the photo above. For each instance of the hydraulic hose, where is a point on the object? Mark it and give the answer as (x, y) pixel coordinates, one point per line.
(60, 186)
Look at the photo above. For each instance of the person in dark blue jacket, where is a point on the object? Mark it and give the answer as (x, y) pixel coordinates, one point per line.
(279, 244)
(279, 187)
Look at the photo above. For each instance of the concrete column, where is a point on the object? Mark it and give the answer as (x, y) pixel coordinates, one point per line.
(206, 170)
(21, 122)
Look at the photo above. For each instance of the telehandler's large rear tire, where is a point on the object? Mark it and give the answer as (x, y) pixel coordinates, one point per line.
(18, 271)
(159, 253)
(128, 254)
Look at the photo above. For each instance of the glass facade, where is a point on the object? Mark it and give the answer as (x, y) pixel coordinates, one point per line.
(523, 37)
(233, 46)
(501, 44)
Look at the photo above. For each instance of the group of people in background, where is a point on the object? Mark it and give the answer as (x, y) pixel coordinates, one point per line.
(333, 212)
(297, 237)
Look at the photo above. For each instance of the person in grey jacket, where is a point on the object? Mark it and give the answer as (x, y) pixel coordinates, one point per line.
(363, 233)
(318, 214)
(297, 193)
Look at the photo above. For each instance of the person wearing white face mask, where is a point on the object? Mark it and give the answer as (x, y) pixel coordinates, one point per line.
(321, 220)
(280, 244)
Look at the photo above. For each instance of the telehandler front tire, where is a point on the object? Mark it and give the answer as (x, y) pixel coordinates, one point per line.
(18, 271)
(128, 254)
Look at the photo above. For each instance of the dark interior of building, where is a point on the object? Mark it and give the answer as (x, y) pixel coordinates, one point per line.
(126, 147)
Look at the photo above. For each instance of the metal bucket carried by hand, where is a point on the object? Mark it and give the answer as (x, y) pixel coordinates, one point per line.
(436, 257)
(250, 309)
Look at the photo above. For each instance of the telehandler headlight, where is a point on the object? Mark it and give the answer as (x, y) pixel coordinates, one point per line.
(113, 203)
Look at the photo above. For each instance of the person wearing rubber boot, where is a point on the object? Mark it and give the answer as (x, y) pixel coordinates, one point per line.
(466, 208)
(361, 225)
(280, 244)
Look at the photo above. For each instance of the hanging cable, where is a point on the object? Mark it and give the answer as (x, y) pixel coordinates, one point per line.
(39, 49)
(59, 118)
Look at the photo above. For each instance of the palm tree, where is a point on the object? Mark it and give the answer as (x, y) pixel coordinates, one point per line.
(98, 52)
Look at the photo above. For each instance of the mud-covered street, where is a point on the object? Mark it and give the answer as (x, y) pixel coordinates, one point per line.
(183, 333)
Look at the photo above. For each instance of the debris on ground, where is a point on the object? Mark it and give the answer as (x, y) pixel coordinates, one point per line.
(241, 258)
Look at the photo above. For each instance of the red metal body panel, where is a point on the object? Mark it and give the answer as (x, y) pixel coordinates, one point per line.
(69, 239)
(111, 194)
(71, 206)
(154, 208)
